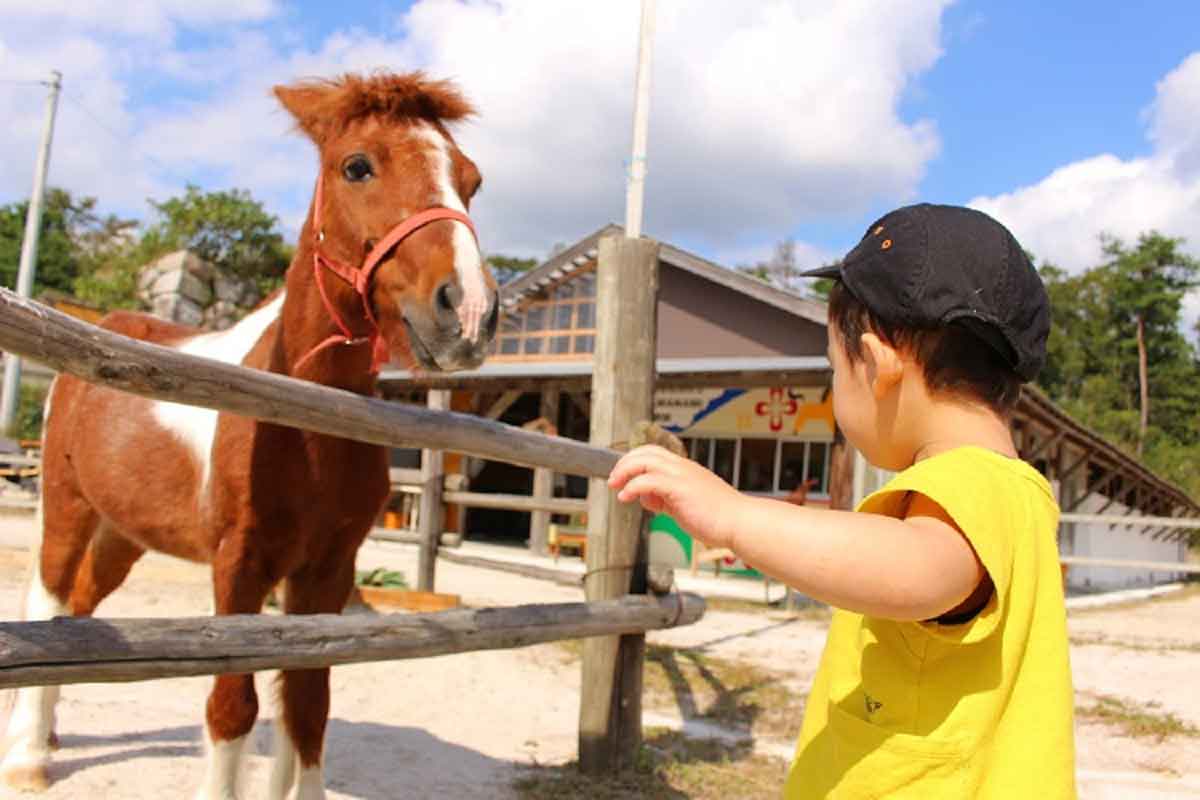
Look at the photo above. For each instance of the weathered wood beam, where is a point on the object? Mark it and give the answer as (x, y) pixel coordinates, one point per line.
(610, 714)
(431, 517)
(68, 345)
(88, 650)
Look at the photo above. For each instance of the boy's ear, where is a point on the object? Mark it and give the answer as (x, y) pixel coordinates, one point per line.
(884, 365)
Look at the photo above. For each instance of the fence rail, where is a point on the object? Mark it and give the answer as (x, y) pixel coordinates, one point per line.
(68, 345)
(84, 650)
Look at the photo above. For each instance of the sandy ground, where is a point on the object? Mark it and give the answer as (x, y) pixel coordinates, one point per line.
(460, 726)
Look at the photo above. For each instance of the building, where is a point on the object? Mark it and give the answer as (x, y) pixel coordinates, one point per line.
(744, 381)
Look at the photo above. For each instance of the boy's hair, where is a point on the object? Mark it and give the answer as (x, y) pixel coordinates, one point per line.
(954, 360)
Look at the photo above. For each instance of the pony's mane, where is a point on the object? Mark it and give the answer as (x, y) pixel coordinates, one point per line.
(326, 107)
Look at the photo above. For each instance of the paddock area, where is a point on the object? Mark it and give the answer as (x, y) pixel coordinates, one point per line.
(481, 724)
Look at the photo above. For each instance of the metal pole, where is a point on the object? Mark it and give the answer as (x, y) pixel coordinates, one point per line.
(641, 121)
(10, 395)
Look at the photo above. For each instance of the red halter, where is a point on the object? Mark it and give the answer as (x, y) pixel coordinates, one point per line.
(360, 277)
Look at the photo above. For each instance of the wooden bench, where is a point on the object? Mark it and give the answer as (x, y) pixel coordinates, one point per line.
(573, 535)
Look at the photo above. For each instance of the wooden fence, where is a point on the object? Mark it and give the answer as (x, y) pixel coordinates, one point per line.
(610, 717)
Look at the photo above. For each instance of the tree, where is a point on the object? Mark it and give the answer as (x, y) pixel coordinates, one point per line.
(229, 229)
(783, 271)
(1117, 359)
(508, 268)
(71, 228)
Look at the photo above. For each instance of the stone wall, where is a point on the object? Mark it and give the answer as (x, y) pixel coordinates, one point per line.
(184, 288)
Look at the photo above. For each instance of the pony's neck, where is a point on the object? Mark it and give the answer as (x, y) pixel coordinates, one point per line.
(305, 323)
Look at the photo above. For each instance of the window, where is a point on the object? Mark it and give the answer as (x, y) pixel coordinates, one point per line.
(558, 323)
(764, 466)
(756, 471)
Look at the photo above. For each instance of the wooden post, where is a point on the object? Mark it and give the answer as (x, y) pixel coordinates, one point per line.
(610, 715)
(543, 481)
(432, 512)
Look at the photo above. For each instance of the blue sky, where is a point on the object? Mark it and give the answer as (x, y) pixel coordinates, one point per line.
(783, 118)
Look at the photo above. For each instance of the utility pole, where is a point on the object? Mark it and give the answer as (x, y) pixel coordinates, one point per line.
(636, 185)
(10, 395)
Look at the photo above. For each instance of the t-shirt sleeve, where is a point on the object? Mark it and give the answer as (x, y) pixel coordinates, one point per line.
(988, 526)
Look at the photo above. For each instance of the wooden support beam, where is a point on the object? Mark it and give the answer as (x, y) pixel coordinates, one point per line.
(1076, 465)
(1094, 486)
(432, 514)
(543, 480)
(610, 715)
(89, 650)
(516, 502)
(503, 403)
(1044, 446)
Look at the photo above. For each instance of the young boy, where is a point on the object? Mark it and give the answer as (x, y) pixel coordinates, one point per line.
(945, 674)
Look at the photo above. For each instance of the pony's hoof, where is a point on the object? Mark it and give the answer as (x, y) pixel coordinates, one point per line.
(26, 777)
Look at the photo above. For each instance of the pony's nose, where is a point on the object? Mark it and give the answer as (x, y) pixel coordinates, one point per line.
(471, 316)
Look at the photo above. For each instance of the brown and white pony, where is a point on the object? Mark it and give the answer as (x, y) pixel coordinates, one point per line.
(268, 505)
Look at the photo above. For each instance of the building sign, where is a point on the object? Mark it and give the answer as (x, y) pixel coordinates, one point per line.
(777, 411)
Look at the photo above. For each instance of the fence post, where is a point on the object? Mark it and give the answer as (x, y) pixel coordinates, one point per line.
(432, 513)
(610, 715)
(543, 481)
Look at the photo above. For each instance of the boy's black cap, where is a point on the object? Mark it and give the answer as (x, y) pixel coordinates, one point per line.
(926, 266)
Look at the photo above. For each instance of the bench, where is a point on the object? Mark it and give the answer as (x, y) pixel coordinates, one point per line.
(573, 535)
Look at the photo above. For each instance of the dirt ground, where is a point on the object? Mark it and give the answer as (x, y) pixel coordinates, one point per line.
(463, 726)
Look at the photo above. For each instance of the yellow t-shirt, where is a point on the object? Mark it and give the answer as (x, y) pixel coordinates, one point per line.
(982, 709)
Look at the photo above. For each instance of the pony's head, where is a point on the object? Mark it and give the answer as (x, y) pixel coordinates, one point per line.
(386, 156)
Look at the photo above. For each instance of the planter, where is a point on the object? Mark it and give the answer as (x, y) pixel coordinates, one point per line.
(385, 599)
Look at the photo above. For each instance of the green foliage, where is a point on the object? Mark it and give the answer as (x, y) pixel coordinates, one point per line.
(380, 576)
(229, 229)
(1092, 353)
(508, 268)
(30, 406)
(71, 231)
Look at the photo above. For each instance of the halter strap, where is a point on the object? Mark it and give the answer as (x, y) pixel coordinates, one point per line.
(359, 278)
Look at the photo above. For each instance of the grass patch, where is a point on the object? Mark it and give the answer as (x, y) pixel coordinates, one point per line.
(381, 577)
(734, 694)
(669, 767)
(1138, 721)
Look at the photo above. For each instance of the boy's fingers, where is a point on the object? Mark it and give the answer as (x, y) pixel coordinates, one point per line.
(641, 486)
(636, 462)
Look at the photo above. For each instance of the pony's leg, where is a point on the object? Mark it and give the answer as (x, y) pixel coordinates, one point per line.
(67, 525)
(240, 585)
(304, 694)
(105, 567)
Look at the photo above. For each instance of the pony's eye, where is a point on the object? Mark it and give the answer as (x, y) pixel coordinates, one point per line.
(357, 169)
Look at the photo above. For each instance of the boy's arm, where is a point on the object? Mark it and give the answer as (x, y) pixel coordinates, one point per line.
(913, 569)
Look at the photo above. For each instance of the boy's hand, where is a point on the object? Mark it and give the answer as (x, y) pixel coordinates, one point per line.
(663, 482)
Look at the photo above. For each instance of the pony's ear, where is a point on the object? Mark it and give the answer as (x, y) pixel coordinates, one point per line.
(308, 103)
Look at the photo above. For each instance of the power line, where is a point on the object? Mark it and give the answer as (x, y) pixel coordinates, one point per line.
(118, 137)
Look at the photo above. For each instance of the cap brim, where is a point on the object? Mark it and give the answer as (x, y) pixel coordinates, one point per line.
(828, 271)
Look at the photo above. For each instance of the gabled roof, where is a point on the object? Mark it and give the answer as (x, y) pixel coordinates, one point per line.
(583, 254)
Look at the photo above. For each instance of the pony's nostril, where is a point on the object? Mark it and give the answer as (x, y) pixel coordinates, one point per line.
(444, 299)
(493, 320)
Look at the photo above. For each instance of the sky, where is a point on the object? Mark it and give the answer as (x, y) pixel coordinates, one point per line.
(776, 119)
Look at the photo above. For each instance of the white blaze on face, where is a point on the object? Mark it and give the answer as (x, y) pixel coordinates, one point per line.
(468, 264)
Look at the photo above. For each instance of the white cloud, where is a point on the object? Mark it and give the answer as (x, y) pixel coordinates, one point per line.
(1061, 217)
(763, 116)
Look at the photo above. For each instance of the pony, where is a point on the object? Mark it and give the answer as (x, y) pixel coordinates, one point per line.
(387, 267)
